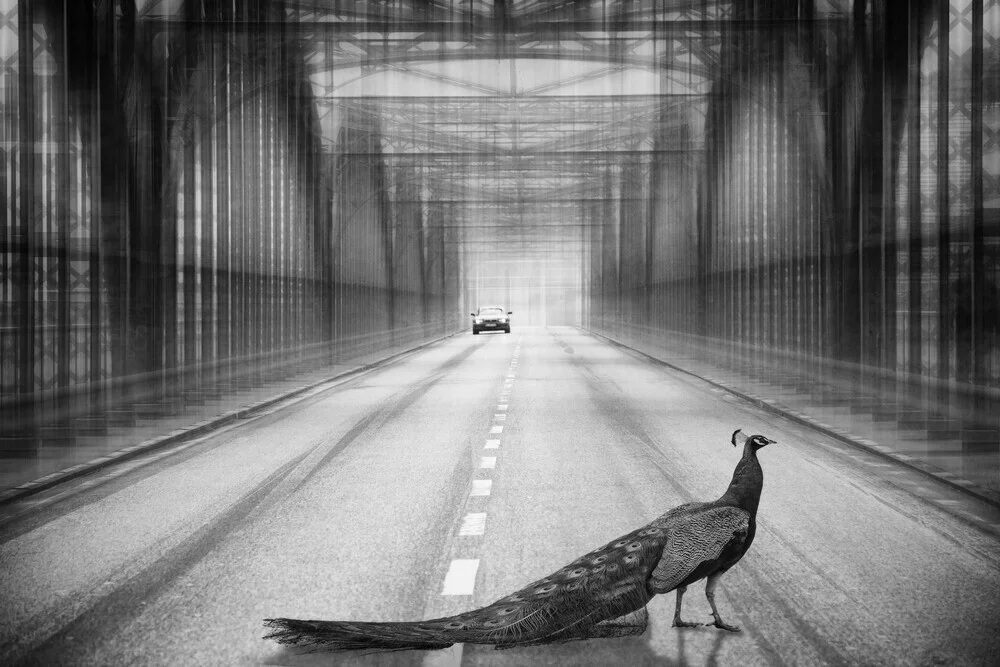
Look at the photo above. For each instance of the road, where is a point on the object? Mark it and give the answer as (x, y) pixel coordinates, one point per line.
(353, 503)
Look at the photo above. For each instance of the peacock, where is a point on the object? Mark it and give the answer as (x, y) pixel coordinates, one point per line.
(601, 594)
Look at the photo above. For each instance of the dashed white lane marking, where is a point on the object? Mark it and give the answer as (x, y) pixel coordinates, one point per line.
(445, 657)
(496, 429)
(492, 444)
(500, 417)
(487, 462)
(481, 487)
(501, 406)
(461, 577)
(474, 523)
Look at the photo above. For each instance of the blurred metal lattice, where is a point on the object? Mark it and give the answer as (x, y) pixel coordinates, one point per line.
(203, 196)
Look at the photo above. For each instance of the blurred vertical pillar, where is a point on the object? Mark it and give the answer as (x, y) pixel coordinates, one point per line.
(915, 254)
(63, 194)
(978, 344)
(27, 222)
(609, 252)
(986, 178)
(945, 330)
(222, 128)
(209, 206)
(187, 190)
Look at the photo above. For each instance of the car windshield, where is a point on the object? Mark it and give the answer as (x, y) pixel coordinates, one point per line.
(490, 312)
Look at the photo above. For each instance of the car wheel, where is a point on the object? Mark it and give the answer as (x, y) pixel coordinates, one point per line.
(475, 332)
(507, 330)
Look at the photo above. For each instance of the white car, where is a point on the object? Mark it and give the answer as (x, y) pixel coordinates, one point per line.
(491, 318)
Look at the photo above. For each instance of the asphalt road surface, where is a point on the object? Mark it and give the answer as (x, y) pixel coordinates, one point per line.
(461, 472)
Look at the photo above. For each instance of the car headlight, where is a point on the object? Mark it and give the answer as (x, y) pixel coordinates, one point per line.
(478, 320)
(502, 320)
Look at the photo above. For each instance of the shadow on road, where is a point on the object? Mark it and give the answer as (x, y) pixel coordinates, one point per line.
(593, 652)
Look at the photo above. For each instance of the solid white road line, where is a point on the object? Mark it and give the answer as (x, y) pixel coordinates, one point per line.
(474, 523)
(446, 657)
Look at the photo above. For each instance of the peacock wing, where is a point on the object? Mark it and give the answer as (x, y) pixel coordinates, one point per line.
(696, 539)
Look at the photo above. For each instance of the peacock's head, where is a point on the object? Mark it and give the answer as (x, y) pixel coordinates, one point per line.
(756, 441)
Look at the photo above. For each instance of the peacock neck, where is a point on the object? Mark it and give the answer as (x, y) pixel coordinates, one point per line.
(748, 480)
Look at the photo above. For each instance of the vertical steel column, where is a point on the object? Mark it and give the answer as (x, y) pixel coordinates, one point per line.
(650, 304)
(785, 197)
(253, 215)
(288, 187)
(265, 250)
(8, 218)
(209, 216)
(915, 246)
(24, 239)
(61, 119)
(238, 222)
(226, 167)
(624, 230)
(188, 380)
(444, 222)
(760, 268)
(97, 400)
(895, 37)
(168, 224)
(945, 311)
(980, 340)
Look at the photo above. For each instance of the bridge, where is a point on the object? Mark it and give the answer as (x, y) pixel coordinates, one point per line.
(242, 242)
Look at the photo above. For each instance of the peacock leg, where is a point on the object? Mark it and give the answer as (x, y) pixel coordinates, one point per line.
(678, 623)
(713, 579)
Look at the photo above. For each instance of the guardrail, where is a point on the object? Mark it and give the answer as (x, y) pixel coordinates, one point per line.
(165, 392)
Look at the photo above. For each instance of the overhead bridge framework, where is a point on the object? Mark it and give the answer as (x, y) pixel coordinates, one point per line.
(203, 196)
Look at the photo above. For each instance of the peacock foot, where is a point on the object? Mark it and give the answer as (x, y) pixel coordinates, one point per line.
(725, 626)
(678, 623)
